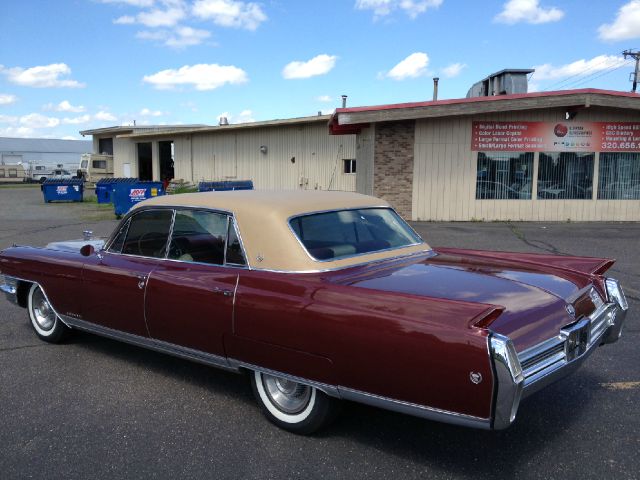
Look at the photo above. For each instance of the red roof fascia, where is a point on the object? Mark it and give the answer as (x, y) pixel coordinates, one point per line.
(496, 98)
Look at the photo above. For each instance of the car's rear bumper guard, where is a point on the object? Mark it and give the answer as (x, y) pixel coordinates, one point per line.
(9, 286)
(552, 359)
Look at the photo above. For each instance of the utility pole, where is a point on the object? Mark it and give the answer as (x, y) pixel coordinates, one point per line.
(636, 75)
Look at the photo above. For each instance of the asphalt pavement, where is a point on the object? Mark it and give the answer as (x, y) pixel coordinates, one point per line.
(96, 408)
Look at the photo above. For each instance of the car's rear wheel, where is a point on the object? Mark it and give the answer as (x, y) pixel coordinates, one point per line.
(44, 319)
(293, 406)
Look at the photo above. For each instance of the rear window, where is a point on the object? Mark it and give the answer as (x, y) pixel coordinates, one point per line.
(345, 233)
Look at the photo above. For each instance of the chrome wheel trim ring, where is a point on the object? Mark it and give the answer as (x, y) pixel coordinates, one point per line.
(43, 314)
(287, 396)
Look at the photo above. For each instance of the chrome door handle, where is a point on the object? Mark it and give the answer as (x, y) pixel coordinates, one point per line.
(142, 280)
(226, 293)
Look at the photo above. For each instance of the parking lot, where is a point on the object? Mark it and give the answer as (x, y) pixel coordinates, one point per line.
(95, 408)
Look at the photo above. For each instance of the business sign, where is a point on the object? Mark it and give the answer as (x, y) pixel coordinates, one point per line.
(556, 136)
(62, 189)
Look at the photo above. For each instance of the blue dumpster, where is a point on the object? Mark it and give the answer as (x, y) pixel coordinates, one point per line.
(105, 186)
(126, 195)
(225, 185)
(66, 190)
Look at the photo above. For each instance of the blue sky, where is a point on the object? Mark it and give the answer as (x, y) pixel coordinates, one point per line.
(71, 65)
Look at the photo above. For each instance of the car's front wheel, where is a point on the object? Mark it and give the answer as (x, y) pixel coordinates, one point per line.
(44, 319)
(293, 406)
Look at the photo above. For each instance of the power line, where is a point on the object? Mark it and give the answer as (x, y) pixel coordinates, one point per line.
(607, 72)
(579, 74)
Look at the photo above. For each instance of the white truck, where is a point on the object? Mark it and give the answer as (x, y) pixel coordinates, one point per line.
(40, 173)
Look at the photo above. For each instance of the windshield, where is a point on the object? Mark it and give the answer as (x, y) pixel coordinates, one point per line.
(345, 233)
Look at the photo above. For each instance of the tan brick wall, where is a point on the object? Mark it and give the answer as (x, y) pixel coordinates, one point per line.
(393, 164)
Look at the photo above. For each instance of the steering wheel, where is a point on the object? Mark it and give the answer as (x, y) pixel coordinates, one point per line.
(143, 238)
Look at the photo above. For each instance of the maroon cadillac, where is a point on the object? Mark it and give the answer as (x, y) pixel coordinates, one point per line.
(323, 296)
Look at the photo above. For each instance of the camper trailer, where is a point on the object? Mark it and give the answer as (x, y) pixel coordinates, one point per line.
(12, 173)
(93, 167)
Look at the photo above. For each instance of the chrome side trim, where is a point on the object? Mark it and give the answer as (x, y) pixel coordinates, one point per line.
(330, 390)
(152, 344)
(408, 408)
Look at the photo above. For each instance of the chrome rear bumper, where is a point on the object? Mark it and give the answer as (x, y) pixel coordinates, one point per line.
(9, 285)
(553, 359)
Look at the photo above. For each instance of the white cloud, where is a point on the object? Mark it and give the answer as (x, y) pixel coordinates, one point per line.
(415, 65)
(133, 3)
(7, 99)
(230, 13)
(105, 116)
(77, 120)
(161, 18)
(145, 112)
(179, 37)
(125, 20)
(626, 26)
(17, 132)
(381, 8)
(325, 98)
(64, 106)
(37, 120)
(577, 68)
(201, 77)
(453, 70)
(8, 119)
(318, 65)
(528, 11)
(41, 76)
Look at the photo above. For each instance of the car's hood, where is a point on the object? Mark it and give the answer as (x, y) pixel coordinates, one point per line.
(534, 301)
(76, 245)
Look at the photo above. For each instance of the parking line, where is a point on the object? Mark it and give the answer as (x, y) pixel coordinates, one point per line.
(621, 385)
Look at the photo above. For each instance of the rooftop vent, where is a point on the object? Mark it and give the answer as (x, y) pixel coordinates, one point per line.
(504, 82)
(223, 121)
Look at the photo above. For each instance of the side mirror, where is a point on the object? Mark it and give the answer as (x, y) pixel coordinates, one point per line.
(87, 250)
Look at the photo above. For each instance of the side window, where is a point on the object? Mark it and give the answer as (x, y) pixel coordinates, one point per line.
(234, 249)
(148, 233)
(118, 241)
(199, 236)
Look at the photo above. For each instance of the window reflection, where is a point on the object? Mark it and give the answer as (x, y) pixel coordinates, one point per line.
(619, 176)
(504, 175)
(565, 175)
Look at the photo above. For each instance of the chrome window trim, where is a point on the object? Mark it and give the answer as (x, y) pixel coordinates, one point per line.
(174, 209)
(344, 267)
(170, 236)
(346, 257)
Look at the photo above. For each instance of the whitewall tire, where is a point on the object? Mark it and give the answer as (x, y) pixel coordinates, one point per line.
(44, 320)
(293, 406)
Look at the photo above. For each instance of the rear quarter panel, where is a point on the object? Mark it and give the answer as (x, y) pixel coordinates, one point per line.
(399, 346)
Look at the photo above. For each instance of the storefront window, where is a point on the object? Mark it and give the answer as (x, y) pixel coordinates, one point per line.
(565, 175)
(619, 176)
(504, 175)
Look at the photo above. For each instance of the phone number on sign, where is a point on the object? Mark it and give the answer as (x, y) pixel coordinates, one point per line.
(620, 145)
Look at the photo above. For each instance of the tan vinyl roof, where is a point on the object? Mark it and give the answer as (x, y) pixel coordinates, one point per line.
(263, 221)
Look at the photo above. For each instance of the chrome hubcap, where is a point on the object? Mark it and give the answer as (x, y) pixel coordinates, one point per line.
(286, 395)
(43, 314)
